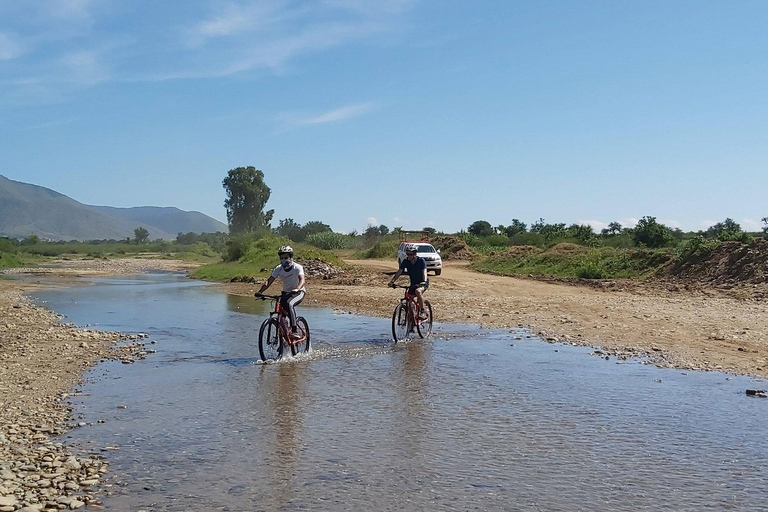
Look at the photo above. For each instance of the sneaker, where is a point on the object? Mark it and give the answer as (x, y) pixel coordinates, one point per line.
(295, 336)
(423, 316)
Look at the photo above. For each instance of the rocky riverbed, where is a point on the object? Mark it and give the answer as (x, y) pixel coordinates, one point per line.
(41, 361)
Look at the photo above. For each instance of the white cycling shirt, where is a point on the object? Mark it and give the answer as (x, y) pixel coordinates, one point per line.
(289, 278)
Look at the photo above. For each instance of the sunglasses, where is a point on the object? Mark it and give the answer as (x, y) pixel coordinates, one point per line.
(411, 253)
(283, 258)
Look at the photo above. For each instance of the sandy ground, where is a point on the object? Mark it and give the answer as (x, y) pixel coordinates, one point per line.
(673, 329)
(42, 359)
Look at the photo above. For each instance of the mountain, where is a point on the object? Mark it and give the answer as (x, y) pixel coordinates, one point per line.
(26, 209)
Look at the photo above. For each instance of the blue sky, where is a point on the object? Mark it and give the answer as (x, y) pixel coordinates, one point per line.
(406, 112)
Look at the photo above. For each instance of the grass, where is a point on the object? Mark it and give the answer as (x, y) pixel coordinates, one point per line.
(571, 261)
(261, 258)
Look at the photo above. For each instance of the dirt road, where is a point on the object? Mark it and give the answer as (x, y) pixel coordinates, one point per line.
(674, 329)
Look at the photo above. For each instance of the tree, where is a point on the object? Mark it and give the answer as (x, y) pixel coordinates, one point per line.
(315, 226)
(537, 226)
(291, 229)
(723, 230)
(583, 233)
(765, 228)
(32, 239)
(428, 230)
(515, 228)
(140, 235)
(375, 231)
(614, 228)
(247, 194)
(480, 228)
(650, 233)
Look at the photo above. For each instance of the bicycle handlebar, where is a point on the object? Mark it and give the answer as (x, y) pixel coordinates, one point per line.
(263, 296)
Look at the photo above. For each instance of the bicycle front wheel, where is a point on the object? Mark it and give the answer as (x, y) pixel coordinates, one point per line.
(424, 327)
(400, 323)
(302, 344)
(270, 341)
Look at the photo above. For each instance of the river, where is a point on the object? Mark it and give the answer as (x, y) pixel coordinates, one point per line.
(472, 419)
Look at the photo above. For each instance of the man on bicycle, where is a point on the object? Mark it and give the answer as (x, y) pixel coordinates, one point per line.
(291, 274)
(417, 271)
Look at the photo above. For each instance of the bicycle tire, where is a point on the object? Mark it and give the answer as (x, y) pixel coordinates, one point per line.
(303, 344)
(400, 323)
(270, 341)
(424, 327)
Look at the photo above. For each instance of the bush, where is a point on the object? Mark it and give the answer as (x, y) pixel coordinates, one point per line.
(329, 240)
(590, 270)
(381, 250)
(650, 233)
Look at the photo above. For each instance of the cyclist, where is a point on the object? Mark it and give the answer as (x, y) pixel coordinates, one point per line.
(291, 274)
(417, 271)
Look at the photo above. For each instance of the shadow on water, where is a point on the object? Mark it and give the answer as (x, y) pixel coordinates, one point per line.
(471, 419)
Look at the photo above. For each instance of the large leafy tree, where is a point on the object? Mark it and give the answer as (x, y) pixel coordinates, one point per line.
(140, 235)
(480, 228)
(650, 233)
(247, 194)
(291, 229)
(315, 226)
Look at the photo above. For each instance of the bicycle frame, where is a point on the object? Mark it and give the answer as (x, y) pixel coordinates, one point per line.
(283, 321)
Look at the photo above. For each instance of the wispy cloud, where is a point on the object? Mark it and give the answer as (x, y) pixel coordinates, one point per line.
(10, 47)
(67, 41)
(332, 116)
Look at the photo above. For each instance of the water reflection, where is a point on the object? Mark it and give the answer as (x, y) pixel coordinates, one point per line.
(284, 390)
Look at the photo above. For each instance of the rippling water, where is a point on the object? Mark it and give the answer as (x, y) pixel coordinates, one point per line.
(473, 419)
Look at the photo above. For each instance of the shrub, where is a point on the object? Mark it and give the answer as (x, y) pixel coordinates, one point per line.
(329, 240)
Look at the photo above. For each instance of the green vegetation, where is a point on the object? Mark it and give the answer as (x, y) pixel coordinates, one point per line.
(247, 194)
(259, 258)
(574, 261)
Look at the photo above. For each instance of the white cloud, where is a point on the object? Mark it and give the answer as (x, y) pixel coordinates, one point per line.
(68, 8)
(595, 224)
(207, 39)
(751, 225)
(372, 221)
(84, 67)
(10, 47)
(706, 224)
(331, 116)
(671, 224)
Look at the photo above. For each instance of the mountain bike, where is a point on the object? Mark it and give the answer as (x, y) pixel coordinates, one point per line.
(275, 333)
(406, 317)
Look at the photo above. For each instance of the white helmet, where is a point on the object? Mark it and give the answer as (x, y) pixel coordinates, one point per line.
(411, 248)
(286, 249)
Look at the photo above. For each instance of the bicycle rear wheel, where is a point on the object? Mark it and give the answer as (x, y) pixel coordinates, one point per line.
(424, 327)
(270, 341)
(302, 344)
(401, 324)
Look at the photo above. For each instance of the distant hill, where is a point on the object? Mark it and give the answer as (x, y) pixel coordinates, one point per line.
(26, 209)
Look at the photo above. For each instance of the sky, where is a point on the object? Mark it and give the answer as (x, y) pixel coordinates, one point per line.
(408, 113)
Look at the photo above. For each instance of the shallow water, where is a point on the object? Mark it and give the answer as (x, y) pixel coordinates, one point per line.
(470, 420)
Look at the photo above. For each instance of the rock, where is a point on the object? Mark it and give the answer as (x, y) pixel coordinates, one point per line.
(757, 392)
(8, 501)
(74, 504)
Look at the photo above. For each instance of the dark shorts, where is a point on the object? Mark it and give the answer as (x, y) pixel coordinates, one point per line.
(412, 288)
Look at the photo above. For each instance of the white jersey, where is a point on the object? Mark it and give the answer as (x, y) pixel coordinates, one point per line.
(289, 278)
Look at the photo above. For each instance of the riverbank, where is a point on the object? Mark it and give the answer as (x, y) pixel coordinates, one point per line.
(674, 328)
(42, 360)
